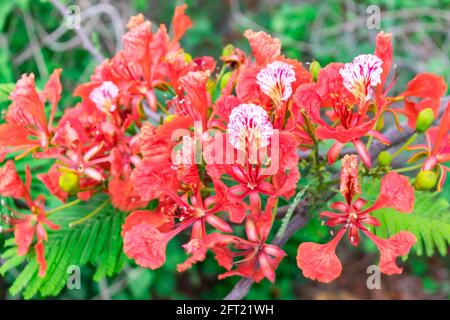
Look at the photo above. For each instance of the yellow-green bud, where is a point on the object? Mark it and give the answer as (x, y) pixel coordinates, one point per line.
(227, 50)
(187, 57)
(69, 182)
(224, 81)
(424, 120)
(314, 68)
(210, 86)
(425, 180)
(384, 158)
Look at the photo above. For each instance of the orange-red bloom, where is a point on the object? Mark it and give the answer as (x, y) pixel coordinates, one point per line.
(26, 226)
(319, 261)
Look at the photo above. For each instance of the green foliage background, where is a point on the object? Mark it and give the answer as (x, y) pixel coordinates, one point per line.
(325, 31)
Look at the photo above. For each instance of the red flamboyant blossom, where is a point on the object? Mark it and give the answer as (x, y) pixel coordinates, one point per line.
(319, 261)
(27, 128)
(341, 87)
(256, 258)
(146, 244)
(26, 226)
(437, 148)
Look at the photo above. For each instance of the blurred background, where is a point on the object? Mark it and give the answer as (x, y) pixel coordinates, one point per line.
(34, 38)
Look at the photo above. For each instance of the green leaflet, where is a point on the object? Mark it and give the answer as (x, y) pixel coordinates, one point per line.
(96, 241)
(430, 221)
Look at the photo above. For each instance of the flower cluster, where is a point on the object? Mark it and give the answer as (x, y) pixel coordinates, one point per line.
(215, 148)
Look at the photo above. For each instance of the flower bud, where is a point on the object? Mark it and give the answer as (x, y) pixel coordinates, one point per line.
(228, 50)
(211, 86)
(314, 68)
(424, 120)
(187, 57)
(225, 79)
(425, 180)
(69, 182)
(384, 158)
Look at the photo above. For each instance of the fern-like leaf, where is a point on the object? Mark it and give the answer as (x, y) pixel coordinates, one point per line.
(430, 222)
(96, 241)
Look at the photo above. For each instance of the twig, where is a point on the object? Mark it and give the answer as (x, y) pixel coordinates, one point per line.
(85, 41)
(35, 49)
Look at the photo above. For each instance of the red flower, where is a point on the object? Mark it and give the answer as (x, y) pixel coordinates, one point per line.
(146, 243)
(26, 128)
(258, 260)
(334, 91)
(437, 148)
(319, 261)
(265, 49)
(26, 227)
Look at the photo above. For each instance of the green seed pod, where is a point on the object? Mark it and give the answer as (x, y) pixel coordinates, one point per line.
(424, 120)
(69, 182)
(384, 158)
(425, 180)
(225, 79)
(228, 50)
(314, 68)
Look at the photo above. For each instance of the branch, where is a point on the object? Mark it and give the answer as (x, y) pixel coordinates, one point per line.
(85, 41)
(300, 218)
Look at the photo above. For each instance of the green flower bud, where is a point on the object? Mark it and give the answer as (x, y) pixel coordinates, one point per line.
(187, 57)
(210, 86)
(224, 81)
(424, 120)
(228, 50)
(425, 180)
(69, 182)
(384, 158)
(314, 68)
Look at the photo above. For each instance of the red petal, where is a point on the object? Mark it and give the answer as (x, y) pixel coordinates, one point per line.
(180, 22)
(218, 243)
(266, 267)
(10, 183)
(40, 258)
(124, 196)
(395, 192)
(265, 48)
(426, 85)
(319, 261)
(145, 244)
(23, 235)
(334, 151)
(384, 51)
(218, 223)
(363, 153)
(396, 246)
